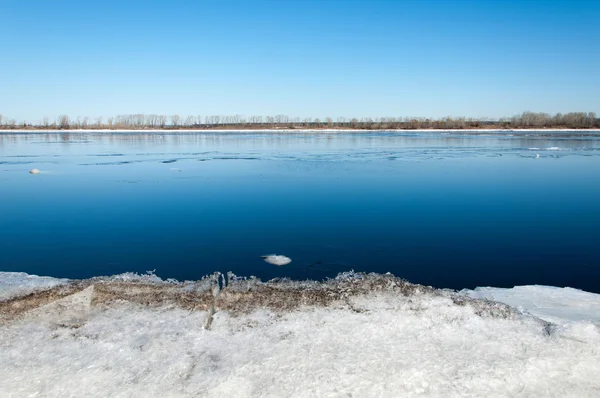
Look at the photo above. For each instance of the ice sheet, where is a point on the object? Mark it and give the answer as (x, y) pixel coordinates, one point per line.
(553, 304)
(14, 284)
(398, 340)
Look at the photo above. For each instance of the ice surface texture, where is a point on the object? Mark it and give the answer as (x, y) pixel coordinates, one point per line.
(13, 284)
(553, 304)
(365, 335)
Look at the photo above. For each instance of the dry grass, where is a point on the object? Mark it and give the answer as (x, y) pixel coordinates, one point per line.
(242, 296)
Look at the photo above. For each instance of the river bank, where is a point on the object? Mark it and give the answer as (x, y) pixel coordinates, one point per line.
(356, 334)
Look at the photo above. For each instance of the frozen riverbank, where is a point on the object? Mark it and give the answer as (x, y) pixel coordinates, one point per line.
(366, 335)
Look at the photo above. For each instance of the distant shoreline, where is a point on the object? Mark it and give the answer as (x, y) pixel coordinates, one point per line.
(294, 130)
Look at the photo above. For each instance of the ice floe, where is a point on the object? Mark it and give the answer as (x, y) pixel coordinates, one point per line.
(276, 259)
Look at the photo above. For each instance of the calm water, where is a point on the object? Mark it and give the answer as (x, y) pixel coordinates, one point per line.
(446, 210)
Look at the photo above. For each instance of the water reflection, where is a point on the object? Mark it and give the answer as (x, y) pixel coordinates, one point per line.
(293, 145)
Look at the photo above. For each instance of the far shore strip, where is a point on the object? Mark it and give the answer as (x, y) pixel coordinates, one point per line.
(276, 130)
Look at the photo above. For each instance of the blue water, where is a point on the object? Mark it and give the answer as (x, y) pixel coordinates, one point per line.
(447, 210)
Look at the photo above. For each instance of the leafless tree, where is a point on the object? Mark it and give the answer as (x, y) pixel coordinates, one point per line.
(63, 122)
(575, 120)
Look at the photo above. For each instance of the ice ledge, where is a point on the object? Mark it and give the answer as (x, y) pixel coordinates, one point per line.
(15, 284)
(552, 304)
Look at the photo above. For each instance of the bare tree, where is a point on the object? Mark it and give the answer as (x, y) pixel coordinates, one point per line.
(572, 120)
(281, 119)
(63, 122)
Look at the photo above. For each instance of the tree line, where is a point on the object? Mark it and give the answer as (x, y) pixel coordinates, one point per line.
(572, 120)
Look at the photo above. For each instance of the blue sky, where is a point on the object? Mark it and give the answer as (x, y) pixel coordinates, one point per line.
(301, 58)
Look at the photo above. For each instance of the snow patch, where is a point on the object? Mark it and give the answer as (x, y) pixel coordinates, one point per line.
(71, 310)
(16, 284)
(134, 277)
(552, 304)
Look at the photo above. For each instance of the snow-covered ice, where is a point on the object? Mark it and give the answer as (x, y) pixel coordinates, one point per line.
(14, 284)
(553, 304)
(356, 335)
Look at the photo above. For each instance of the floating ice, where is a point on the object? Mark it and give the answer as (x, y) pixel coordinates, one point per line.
(276, 259)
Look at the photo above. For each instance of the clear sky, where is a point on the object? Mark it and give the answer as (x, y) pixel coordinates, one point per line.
(301, 58)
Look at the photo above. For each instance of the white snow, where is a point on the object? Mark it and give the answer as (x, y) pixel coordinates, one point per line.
(552, 148)
(149, 276)
(552, 304)
(381, 344)
(14, 284)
